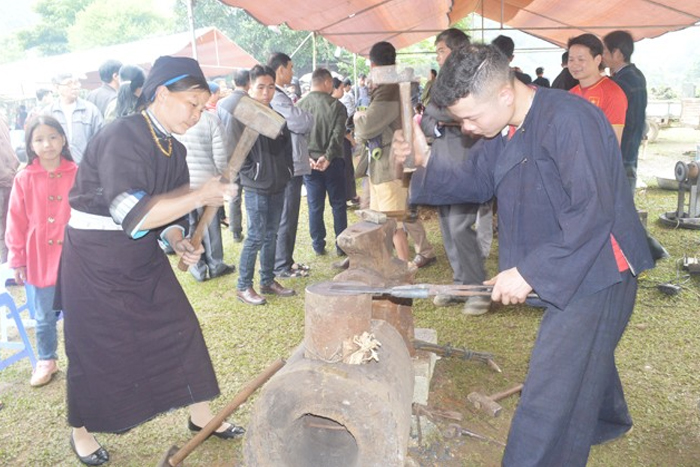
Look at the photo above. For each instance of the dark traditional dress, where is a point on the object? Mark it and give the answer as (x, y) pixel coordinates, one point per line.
(134, 345)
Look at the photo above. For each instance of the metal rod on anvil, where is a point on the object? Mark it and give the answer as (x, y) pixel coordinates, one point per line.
(419, 290)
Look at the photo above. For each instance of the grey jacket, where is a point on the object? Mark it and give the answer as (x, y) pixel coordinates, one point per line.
(206, 151)
(449, 141)
(8, 159)
(299, 123)
(87, 121)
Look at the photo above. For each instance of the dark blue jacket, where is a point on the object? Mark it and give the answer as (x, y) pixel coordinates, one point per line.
(633, 83)
(561, 190)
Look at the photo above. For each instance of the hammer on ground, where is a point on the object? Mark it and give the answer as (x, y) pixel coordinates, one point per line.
(390, 75)
(258, 119)
(489, 404)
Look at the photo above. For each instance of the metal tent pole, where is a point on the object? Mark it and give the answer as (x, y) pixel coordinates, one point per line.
(190, 17)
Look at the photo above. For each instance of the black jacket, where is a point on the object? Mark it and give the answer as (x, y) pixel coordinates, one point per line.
(269, 165)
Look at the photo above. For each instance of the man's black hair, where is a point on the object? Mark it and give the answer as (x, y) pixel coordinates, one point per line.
(277, 60)
(347, 82)
(262, 70)
(241, 78)
(539, 70)
(565, 58)
(472, 70)
(382, 54)
(622, 41)
(320, 75)
(433, 71)
(589, 41)
(453, 38)
(108, 69)
(505, 44)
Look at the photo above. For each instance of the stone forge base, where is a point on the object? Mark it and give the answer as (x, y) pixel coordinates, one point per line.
(423, 366)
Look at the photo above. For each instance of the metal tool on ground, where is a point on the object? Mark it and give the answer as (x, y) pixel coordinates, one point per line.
(418, 290)
(175, 455)
(463, 353)
(489, 404)
(454, 430)
(258, 120)
(391, 75)
(688, 178)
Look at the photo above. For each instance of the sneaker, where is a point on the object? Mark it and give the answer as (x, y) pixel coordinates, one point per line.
(446, 300)
(223, 271)
(342, 264)
(476, 306)
(291, 273)
(421, 261)
(43, 373)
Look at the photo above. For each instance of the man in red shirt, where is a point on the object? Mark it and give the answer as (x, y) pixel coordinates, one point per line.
(585, 62)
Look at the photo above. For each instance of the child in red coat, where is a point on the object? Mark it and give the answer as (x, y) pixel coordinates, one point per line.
(38, 214)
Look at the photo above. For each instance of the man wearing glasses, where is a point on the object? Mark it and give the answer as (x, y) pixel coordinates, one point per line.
(79, 118)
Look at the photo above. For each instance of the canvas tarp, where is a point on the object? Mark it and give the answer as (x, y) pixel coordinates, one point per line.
(357, 24)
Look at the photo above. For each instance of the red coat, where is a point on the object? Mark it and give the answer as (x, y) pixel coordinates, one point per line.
(38, 214)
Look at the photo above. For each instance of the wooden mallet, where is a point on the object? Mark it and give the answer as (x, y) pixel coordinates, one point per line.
(391, 75)
(258, 119)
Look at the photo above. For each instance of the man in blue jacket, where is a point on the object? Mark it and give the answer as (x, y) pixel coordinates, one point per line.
(568, 231)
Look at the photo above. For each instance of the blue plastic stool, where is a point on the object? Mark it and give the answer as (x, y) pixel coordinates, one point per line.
(25, 348)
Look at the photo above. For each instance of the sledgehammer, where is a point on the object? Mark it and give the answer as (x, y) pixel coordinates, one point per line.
(258, 119)
(489, 404)
(391, 75)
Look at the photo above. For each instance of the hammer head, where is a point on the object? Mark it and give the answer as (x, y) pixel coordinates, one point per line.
(391, 74)
(375, 217)
(485, 403)
(259, 117)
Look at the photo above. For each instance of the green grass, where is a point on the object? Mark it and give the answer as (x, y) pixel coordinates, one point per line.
(658, 360)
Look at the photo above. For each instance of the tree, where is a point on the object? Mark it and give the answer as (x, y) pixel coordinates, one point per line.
(255, 38)
(50, 37)
(106, 22)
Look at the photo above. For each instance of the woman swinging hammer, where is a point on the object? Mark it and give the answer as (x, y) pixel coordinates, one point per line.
(134, 345)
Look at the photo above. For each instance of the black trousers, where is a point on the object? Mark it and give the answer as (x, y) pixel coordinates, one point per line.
(573, 396)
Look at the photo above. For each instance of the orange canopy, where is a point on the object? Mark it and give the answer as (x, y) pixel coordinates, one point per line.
(357, 24)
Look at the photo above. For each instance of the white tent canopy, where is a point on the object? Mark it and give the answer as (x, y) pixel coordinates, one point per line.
(218, 55)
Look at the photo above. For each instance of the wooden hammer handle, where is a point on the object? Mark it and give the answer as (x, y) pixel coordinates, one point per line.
(245, 144)
(407, 120)
(508, 392)
(216, 422)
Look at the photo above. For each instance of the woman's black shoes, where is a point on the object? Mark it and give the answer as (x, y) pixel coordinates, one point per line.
(98, 457)
(233, 431)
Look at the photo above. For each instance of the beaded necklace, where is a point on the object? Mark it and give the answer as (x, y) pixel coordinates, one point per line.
(155, 137)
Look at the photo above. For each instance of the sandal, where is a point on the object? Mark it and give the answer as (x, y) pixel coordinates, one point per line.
(300, 267)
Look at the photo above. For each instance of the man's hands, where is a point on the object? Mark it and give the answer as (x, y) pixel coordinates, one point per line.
(509, 287)
(401, 148)
(321, 164)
